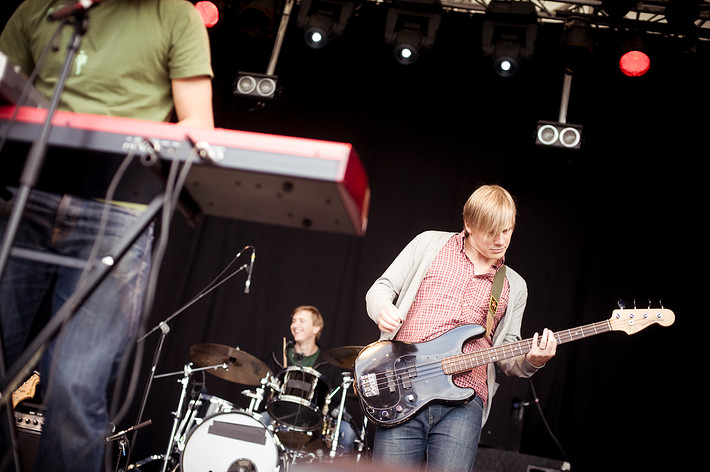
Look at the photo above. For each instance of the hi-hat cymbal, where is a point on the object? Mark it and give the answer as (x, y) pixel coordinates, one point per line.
(242, 368)
(343, 357)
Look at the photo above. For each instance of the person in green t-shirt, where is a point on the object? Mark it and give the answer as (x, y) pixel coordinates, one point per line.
(139, 59)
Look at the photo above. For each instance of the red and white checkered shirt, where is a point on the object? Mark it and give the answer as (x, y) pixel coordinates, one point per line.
(452, 295)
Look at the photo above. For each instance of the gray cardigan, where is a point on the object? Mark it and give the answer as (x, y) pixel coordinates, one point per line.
(400, 282)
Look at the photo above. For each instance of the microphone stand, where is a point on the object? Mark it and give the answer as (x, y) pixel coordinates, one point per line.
(28, 179)
(164, 330)
(36, 155)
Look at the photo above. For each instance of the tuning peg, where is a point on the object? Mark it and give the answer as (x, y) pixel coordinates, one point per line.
(621, 304)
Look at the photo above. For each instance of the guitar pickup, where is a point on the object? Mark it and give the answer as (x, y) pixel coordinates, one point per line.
(406, 373)
(368, 385)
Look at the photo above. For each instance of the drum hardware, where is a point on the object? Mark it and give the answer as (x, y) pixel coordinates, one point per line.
(257, 396)
(177, 414)
(344, 386)
(199, 408)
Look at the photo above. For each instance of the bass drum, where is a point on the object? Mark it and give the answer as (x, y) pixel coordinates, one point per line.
(235, 441)
(200, 408)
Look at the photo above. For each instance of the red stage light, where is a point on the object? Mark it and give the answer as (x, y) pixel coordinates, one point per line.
(208, 12)
(634, 63)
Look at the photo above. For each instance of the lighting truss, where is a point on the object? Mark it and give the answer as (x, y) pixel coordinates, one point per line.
(647, 15)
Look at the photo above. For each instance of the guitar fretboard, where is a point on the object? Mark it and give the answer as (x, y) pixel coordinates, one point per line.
(463, 362)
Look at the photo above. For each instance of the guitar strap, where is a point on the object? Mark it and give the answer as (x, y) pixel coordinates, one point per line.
(498, 281)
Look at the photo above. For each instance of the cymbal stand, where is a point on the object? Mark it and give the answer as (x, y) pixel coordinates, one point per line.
(257, 396)
(361, 444)
(177, 414)
(344, 386)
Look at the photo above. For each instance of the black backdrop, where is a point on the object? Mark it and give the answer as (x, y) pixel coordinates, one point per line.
(619, 219)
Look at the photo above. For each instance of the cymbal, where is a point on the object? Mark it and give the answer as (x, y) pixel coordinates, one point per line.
(242, 368)
(343, 357)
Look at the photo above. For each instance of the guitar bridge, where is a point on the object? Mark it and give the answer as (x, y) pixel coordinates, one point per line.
(368, 385)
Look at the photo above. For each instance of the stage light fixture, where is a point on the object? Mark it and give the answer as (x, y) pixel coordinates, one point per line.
(634, 61)
(508, 34)
(322, 20)
(577, 46)
(209, 13)
(559, 135)
(262, 87)
(410, 32)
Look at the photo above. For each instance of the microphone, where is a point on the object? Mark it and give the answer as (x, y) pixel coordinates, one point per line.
(247, 284)
(72, 9)
(132, 428)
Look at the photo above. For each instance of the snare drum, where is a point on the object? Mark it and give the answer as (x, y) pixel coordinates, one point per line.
(235, 441)
(299, 398)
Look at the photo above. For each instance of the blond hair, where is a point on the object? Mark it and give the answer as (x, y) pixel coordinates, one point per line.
(490, 209)
(316, 317)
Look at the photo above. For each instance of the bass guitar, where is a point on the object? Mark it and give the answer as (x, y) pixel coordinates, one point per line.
(394, 379)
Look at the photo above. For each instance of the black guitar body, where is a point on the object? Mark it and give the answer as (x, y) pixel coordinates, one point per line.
(394, 379)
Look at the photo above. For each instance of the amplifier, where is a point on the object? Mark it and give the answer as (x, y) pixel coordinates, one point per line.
(28, 424)
(30, 421)
(497, 460)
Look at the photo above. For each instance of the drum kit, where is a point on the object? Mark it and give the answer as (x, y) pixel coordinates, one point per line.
(293, 417)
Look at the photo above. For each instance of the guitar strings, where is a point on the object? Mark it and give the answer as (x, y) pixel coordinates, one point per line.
(426, 370)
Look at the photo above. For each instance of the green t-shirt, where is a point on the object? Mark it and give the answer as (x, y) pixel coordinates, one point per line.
(306, 361)
(131, 51)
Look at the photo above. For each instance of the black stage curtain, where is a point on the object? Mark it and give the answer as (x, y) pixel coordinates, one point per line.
(618, 219)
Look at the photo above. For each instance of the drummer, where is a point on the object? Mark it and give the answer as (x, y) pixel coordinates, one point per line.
(303, 350)
(306, 328)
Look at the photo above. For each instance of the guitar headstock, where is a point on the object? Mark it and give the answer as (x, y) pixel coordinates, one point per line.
(634, 320)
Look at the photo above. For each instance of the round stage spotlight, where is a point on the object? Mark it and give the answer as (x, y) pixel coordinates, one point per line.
(315, 37)
(547, 134)
(209, 13)
(634, 63)
(505, 66)
(266, 87)
(570, 137)
(405, 53)
(246, 84)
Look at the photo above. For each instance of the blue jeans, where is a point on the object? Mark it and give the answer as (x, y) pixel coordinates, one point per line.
(79, 364)
(445, 437)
